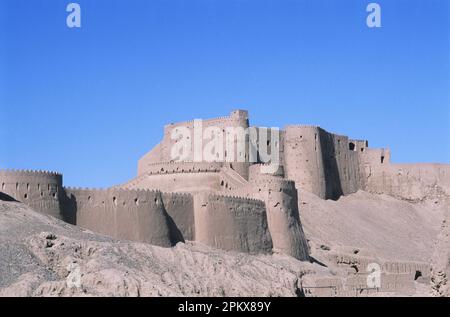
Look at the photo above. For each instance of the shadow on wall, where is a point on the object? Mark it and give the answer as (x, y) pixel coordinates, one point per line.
(5, 197)
(68, 206)
(174, 232)
(333, 187)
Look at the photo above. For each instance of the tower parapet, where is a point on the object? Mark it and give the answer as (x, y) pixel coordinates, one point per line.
(41, 190)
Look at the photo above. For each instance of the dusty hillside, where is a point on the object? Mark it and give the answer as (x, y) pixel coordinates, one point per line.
(376, 225)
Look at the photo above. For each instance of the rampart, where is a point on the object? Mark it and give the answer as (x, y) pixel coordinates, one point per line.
(321, 162)
(232, 223)
(163, 151)
(178, 177)
(283, 216)
(40, 190)
(137, 215)
(180, 207)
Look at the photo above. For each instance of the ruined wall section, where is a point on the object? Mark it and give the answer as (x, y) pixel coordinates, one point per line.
(38, 189)
(232, 223)
(405, 181)
(136, 215)
(409, 181)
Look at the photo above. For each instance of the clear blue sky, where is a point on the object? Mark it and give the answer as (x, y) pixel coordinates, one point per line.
(90, 102)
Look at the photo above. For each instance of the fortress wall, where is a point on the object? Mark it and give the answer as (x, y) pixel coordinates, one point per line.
(375, 157)
(238, 118)
(408, 181)
(321, 162)
(256, 172)
(163, 168)
(303, 159)
(347, 163)
(122, 214)
(39, 190)
(182, 167)
(180, 176)
(231, 180)
(269, 145)
(180, 207)
(281, 148)
(359, 146)
(181, 182)
(283, 216)
(231, 223)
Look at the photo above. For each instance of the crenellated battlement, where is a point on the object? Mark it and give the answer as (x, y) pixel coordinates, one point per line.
(41, 190)
(111, 190)
(234, 117)
(181, 167)
(29, 173)
(234, 198)
(300, 126)
(270, 181)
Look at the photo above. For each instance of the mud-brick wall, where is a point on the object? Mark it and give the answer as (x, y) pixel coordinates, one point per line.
(283, 216)
(180, 207)
(136, 215)
(39, 190)
(232, 223)
(321, 162)
(408, 181)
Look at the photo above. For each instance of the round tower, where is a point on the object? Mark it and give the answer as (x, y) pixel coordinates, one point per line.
(38, 189)
(285, 227)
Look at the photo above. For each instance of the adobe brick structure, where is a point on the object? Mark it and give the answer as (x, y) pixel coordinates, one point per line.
(232, 206)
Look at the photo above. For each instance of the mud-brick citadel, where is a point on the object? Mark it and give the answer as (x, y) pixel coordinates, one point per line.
(231, 206)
